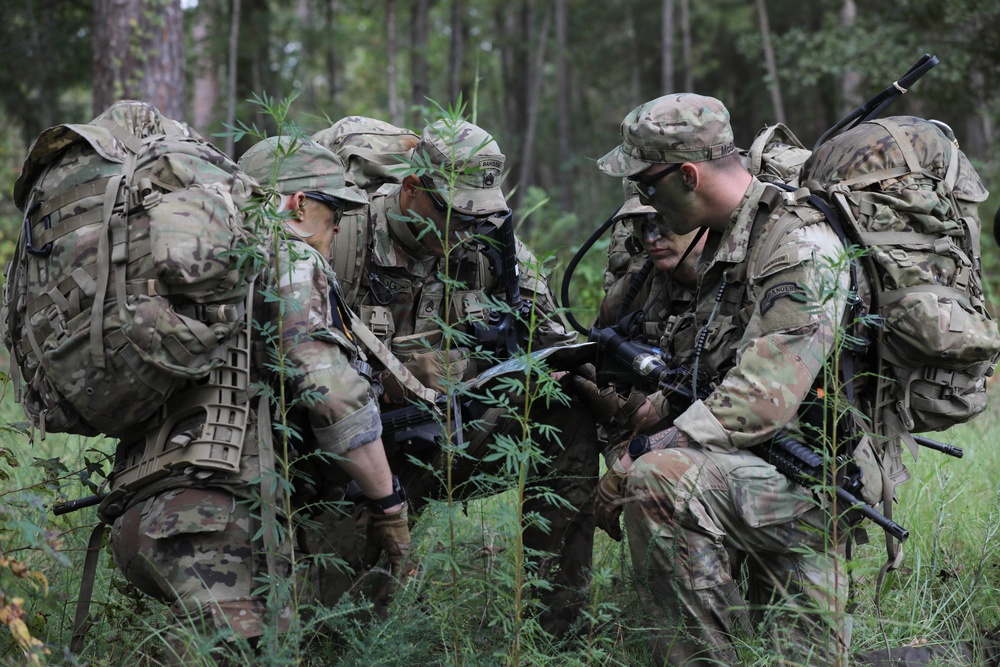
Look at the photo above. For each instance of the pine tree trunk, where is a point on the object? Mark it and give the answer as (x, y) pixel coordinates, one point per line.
(418, 58)
(395, 110)
(138, 48)
(667, 49)
(565, 120)
(774, 83)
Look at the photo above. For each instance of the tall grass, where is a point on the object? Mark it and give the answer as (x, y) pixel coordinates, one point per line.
(947, 589)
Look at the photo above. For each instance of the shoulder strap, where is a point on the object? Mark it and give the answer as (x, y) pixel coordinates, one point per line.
(81, 621)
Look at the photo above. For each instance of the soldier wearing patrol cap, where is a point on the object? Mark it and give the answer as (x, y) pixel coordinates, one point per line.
(410, 227)
(695, 495)
(189, 539)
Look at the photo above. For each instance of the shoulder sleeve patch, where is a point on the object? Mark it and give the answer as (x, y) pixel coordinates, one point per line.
(789, 290)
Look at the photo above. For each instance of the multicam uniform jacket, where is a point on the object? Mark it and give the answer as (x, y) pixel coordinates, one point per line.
(401, 298)
(760, 334)
(337, 399)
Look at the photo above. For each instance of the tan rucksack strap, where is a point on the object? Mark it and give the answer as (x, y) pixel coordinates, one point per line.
(268, 486)
(379, 350)
(103, 270)
(81, 621)
(891, 427)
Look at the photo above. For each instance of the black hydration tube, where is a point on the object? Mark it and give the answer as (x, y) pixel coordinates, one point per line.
(564, 293)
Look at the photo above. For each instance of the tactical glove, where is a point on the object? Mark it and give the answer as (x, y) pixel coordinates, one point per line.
(607, 406)
(610, 496)
(389, 534)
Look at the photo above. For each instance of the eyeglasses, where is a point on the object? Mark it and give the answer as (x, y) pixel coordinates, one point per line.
(463, 219)
(650, 227)
(333, 202)
(646, 185)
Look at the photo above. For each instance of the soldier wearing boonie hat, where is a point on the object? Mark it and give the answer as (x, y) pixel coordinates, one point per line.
(756, 338)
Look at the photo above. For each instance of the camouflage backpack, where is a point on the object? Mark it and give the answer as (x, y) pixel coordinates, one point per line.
(124, 287)
(776, 155)
(905, 192)
(373, 152)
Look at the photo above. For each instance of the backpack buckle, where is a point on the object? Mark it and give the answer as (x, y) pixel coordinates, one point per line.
(46, 222)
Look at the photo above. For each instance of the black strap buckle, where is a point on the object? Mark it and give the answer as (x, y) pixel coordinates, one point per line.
(28, 243)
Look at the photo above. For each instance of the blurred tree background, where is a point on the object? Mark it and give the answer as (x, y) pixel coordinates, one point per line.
(550, 79)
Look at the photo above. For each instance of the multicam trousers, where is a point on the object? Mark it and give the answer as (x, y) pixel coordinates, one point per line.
(192, 549)
(693, 518)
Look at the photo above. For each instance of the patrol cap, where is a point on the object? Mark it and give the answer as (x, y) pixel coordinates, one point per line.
(632, 205)
(675, 128)
(477, 162)
(303, 166)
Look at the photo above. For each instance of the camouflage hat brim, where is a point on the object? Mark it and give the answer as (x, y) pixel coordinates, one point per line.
(619, 163)
(632, 207)
(350, 197)
(472, 199)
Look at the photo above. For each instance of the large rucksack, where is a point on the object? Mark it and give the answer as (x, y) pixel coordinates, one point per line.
(908, 196)
(373, 152)
(125, 285)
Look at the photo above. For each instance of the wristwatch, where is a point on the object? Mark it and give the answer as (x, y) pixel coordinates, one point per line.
(638, 446)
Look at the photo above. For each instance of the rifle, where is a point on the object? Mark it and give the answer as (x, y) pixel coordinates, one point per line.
(78, 504)
(416, 428)
(792, 458)
(803, 465)
(504, 332)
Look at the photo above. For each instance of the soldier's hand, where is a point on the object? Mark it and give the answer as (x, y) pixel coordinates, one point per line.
(606, 404)
(389, 534)
(610, 497)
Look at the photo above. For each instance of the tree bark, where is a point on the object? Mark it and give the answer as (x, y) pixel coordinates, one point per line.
(138, 53)
(395, 107)
(534, 74)
(686, 46)
(850, 83)
(206, 76)
(418, 55)
(774, 83)
(231, 78)
(333, 80)
(667, 49)
(565, 120)
(456, 57)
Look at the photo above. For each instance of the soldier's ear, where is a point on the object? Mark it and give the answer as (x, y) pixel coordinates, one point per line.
(296, 204)
(411, 184)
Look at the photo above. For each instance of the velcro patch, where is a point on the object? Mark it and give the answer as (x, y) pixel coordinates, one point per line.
(781, 290)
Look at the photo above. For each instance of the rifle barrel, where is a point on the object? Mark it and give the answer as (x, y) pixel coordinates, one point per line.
(78, 504)
(942, 447)
(883, 522)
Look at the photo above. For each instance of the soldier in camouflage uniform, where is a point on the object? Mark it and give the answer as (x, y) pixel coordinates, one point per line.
(402, 300)
(188, 539)
(652, 267)
(695, 496)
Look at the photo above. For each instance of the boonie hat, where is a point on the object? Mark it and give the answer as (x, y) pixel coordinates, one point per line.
(477, 163)
(675, 128)
(303, 166)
